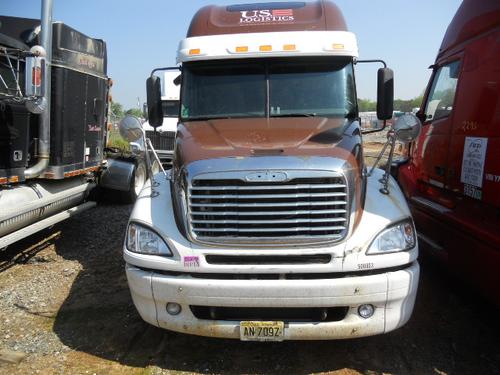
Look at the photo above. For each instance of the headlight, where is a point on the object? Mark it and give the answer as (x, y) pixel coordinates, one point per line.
(145, 241)
(399, 237)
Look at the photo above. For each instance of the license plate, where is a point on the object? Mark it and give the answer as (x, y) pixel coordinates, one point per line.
(261, 331)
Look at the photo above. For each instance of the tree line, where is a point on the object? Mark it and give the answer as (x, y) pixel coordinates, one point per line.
(117, 112)
(367, 105)
(364, 105)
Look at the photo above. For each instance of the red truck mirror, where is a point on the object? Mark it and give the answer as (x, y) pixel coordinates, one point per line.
(155, 111)
(385, 93)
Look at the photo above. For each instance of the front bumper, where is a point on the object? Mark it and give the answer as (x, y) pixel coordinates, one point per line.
(392, 293)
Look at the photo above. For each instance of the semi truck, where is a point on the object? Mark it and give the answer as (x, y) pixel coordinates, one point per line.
(269, 226)
(53, 114)
(451, 174)
(163, 137)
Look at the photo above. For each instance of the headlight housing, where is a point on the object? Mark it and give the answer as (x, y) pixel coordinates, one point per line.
(398, 237)
(145, 241)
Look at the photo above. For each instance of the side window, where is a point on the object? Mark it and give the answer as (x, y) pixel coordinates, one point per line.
(442, 94)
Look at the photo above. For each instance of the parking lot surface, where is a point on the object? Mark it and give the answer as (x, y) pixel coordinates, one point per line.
(65, 308)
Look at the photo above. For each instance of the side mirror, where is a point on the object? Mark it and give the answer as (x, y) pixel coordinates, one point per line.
(407, 128)
(153, 91)
(420, 115)
(130, 128)
(385, 93)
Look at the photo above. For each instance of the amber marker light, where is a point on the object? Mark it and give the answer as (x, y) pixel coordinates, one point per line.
(194, 51)
(36, 76)
(265, 48)
(337, 46)
(289, 47)
(242, 49)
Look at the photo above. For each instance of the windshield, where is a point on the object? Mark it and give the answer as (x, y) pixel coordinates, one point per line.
(274, 87)
(170, 108)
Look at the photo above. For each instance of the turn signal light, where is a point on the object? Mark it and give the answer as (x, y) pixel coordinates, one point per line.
(194, 51)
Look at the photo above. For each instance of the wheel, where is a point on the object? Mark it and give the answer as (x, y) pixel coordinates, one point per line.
(136, 183)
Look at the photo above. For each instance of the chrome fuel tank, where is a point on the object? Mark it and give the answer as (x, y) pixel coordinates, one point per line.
(25, 204)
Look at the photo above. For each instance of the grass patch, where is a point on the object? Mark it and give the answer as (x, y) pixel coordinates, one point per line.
(116, 140)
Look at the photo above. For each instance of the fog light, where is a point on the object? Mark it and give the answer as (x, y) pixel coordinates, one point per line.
(365, 311)
(173, 308)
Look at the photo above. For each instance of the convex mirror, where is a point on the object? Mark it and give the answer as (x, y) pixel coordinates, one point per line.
(130, 128)
(407, 128)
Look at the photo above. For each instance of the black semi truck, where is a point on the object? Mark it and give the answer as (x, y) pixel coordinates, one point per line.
(54, 99)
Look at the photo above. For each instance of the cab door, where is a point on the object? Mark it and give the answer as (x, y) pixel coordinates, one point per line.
(430, 154)
(477, 123)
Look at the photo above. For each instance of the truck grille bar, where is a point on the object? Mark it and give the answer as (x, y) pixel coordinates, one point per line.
(238, 211)
(161, 140)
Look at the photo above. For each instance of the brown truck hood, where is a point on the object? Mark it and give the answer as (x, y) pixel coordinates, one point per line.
(304, 136)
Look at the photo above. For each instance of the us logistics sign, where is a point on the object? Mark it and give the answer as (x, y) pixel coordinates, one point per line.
(266, 15)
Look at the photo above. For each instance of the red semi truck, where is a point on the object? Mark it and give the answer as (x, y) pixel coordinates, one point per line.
(452, 177)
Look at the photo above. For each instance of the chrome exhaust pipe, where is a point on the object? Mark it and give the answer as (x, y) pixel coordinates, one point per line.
(44, 125)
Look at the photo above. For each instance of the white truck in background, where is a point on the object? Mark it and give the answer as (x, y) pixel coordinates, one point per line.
(163, 139)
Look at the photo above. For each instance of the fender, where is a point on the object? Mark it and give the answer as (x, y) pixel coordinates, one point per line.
(117, 175)
(380, 212)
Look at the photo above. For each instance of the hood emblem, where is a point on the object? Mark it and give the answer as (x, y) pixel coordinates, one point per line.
(266, 176)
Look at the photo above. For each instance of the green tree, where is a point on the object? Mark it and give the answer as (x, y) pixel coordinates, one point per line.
(366, 105)
(408, 105)
(116, 111)
(134, 112)
(417, 102)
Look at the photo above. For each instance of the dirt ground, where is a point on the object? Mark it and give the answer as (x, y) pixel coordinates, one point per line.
(65, 308)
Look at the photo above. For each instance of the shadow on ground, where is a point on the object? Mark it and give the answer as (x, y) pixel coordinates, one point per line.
(448, 332)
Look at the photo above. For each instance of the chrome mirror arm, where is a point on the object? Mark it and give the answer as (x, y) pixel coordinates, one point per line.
(149, 146)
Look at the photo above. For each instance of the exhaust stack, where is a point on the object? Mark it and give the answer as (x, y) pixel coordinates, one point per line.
(44, 125)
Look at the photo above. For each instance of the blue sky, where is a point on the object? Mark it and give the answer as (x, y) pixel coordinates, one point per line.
(144, 34)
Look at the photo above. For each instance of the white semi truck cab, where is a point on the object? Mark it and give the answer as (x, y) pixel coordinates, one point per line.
(269, 226)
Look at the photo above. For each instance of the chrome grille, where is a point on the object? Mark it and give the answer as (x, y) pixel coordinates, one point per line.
(161, 140)
(301, 209)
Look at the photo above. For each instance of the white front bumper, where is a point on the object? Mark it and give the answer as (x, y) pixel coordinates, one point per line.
(392, 293)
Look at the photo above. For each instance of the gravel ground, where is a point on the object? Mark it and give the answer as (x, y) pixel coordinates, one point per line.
(65, 308)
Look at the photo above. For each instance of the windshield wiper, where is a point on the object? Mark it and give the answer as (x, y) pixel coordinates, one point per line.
(294, 115)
